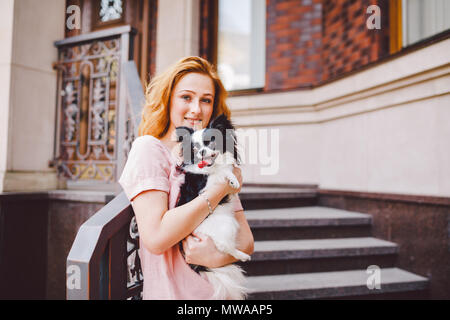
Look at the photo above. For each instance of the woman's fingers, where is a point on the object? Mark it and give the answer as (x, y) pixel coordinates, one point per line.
(237, 173)
(199, 235)
(186, 250)
(190, 241)
(190, 245)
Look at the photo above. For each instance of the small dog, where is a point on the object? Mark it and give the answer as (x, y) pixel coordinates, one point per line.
(208, 157)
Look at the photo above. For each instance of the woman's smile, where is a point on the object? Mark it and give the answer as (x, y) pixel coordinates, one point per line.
(194, 122)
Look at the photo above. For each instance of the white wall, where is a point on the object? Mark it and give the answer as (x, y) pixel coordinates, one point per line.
(385, 129)
(178, 29)
(6, 34)
(26, 139)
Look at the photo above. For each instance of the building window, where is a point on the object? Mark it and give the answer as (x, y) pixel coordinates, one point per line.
(424, 18)
(110, 10)
(241, 43)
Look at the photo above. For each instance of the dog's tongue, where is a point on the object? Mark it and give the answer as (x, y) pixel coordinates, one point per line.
(202, 163)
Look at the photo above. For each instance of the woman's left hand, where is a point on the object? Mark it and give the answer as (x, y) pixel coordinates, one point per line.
(200, 249)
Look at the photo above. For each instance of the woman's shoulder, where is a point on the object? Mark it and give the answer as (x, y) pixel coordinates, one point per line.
(148, 166)
(147, 140)
(150, 146)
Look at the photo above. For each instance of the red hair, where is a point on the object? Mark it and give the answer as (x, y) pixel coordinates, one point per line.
(156, 113)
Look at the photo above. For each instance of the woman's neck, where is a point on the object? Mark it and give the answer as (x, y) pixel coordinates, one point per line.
(170, 143)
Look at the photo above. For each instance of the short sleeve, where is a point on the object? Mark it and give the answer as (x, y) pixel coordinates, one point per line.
(237, 204)
(147, 167)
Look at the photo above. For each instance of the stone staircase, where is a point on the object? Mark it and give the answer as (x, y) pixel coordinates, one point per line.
(303, 251)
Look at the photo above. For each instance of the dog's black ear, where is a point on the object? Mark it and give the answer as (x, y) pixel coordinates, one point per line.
(184, 135)
(221, 123)
(182, 132)
(226, 128)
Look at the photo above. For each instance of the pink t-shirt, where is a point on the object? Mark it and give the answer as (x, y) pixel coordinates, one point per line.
(150, 165)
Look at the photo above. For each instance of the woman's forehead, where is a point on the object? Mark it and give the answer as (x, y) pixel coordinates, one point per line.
(196, 83)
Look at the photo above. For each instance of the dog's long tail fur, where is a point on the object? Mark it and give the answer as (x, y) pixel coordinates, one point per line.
(228, 282)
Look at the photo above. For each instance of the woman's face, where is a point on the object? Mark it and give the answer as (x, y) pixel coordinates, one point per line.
(192, 101)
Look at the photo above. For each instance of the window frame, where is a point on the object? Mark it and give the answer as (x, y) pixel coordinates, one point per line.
(214, 25)
(397, 26)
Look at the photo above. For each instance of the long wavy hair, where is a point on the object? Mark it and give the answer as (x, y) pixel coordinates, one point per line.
(156, 112)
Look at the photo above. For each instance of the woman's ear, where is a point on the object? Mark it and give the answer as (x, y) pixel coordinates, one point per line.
(184, 135)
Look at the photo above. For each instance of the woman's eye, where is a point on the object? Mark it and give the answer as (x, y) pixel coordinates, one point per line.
(186, 98)
(207, 100)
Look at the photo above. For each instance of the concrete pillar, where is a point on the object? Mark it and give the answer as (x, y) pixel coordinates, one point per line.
(28, 29)
(178, 31)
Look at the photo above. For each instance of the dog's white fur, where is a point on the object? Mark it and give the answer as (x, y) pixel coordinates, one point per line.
(222, 227)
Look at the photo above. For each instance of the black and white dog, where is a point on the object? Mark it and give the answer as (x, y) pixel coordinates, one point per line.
(208, 157)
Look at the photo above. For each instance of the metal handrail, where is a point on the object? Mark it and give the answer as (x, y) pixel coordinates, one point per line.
(97, 263)
(103, 262)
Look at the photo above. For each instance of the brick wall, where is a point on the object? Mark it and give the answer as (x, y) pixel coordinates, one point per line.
(347, 43)
(293, 43)
(309, 42)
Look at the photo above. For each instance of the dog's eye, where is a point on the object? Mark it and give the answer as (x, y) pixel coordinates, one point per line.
(212, 145)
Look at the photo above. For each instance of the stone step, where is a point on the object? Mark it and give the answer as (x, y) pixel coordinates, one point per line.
(298, 256)
(340, 284)
(307, 223)
(254, 198)
(321, 248)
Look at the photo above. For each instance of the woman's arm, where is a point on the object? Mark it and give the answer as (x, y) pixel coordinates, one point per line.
(160, 228)
(205, 253)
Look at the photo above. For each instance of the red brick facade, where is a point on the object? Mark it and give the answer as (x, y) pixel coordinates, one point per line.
(293, 43)
(309, 42)
(347, 43)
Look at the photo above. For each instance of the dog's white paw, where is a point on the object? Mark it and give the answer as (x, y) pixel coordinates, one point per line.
(241, 256)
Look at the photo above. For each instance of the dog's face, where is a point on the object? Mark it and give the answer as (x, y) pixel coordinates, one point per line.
(206, 148)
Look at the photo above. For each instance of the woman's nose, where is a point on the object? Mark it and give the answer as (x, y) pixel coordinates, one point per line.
(195, 107)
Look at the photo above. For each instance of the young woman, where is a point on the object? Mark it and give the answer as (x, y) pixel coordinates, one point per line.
(188, 94)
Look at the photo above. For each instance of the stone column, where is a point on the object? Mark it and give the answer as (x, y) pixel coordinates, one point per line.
(178, 30)
(28, 29)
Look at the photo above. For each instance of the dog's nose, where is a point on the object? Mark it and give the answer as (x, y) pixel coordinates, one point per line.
(203, 152)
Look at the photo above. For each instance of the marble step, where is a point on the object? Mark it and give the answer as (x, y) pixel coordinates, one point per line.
(321, 248)
(254, 198)
(307, 223)
(337, 284)
(319, 255)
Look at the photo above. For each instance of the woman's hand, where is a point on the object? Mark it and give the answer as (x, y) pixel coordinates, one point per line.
(199, 249)
(237, 173)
